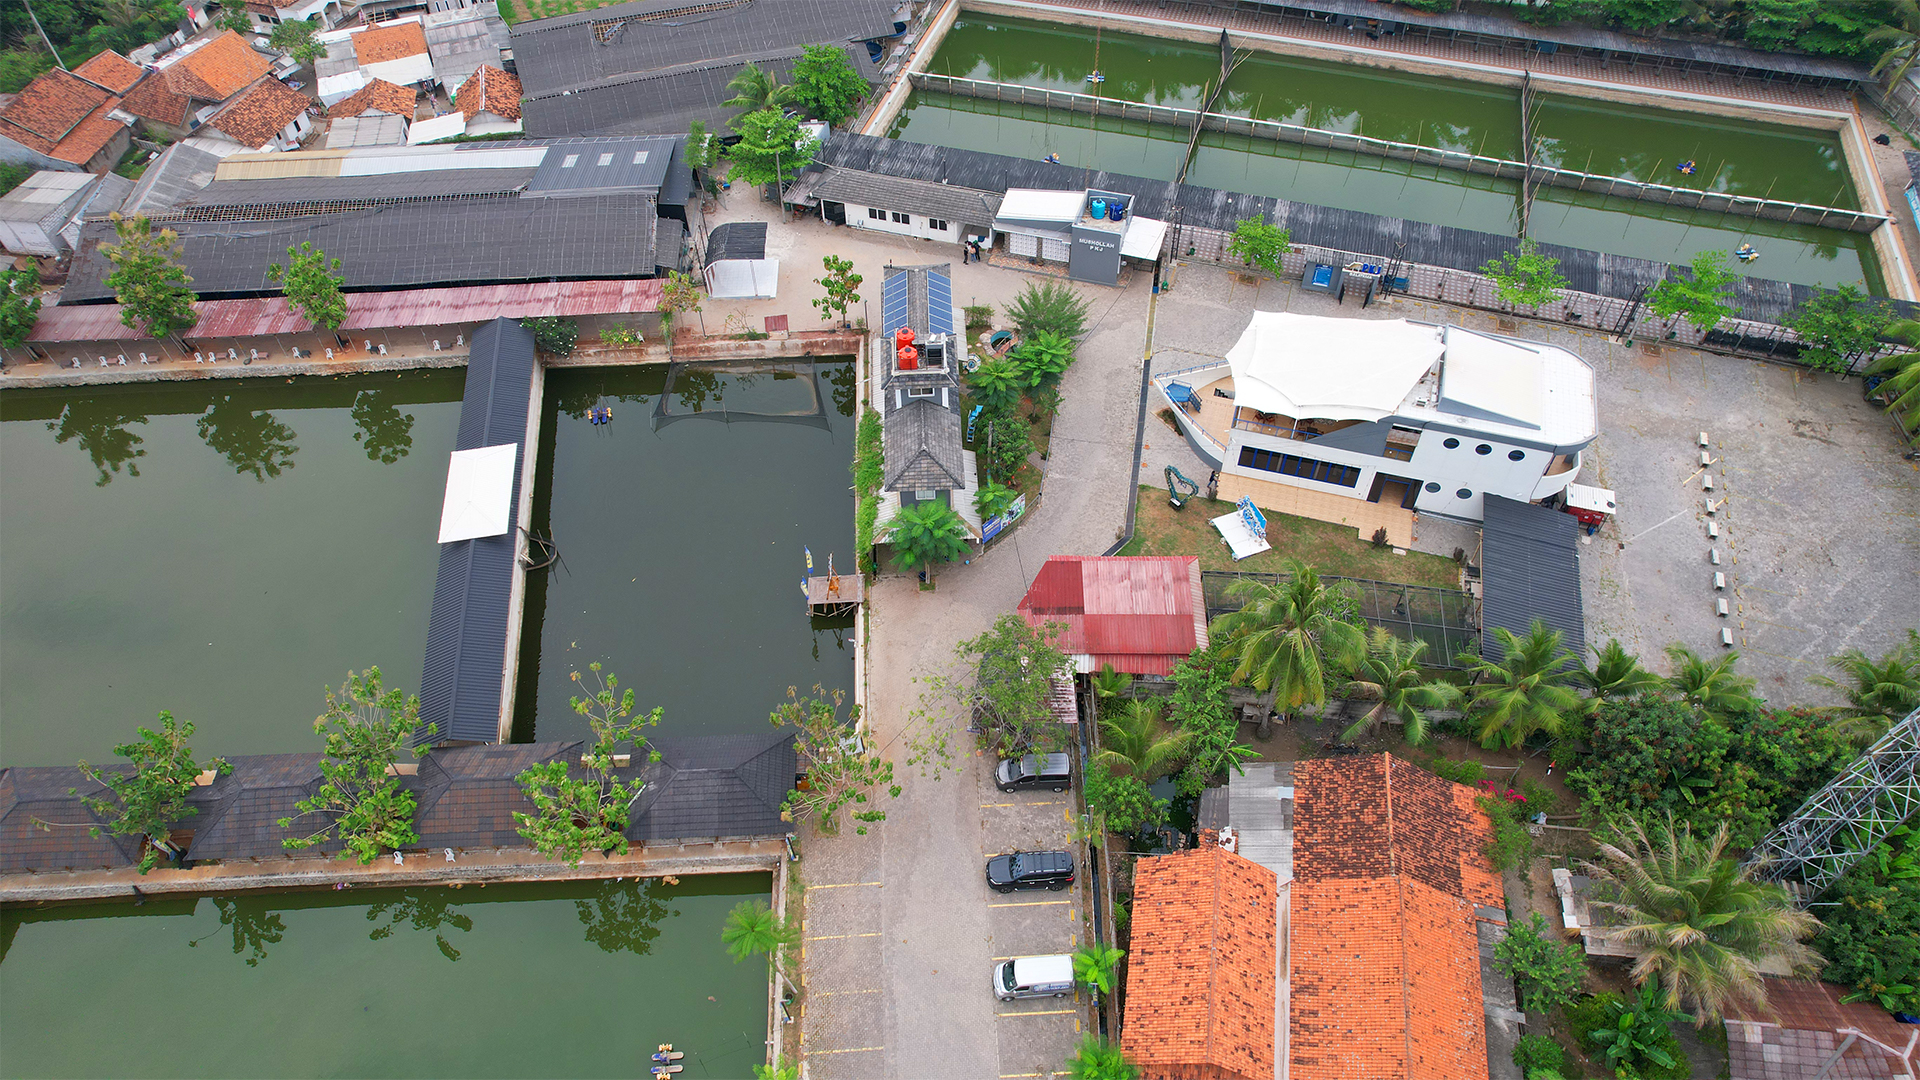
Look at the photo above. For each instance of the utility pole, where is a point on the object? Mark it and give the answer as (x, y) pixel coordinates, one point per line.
(43, 35)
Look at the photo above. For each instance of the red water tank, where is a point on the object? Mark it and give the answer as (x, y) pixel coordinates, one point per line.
(903, 336)
(909, 356)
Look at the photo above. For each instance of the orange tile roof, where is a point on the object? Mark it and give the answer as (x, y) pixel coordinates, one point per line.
(1384, 949)
(257, 115)
(391, 42)
(217, 70)
(153, 99)
(379, 94)
(48, 108)
(91, 135)
(111, 71)
(491, 90)
(1200, 978)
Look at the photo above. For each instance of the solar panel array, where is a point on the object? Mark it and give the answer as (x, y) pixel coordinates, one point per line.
(893, 302)
(939, 303)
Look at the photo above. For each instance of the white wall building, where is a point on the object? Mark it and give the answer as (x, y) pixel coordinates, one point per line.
(1427, 417)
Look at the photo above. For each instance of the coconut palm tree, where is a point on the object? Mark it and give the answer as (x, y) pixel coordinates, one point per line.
(1710, 685)
(1699, 923)
(1899, 42)
(1527, 690)
(1109, 686)
(1390, 676)
(1286, 634)
(926, 533)
(1616, 673)
(756, 88)
(1877, 691)
(1903, 375)
(1134, 741)
(752, 927)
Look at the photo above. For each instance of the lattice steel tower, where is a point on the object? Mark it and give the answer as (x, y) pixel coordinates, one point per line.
(1855, 811)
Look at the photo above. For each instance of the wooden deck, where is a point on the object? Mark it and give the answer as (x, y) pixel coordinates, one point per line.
(836, 594)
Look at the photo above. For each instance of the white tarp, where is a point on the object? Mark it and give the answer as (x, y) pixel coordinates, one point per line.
(334, 89)
(743, 279)
(440, 127)
(479, 493)
(1240, 537)
(1036, 204)
(1144, 238)
(1337, 369)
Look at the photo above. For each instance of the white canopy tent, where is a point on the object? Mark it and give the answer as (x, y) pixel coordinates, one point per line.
(743, 279)
(479, 500)
(1336, 369)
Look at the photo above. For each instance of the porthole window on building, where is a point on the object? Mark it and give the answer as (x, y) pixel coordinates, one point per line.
(1483, 449)
(1451, 444)
(1516, 455)
(1432, 487)
(1463, 493)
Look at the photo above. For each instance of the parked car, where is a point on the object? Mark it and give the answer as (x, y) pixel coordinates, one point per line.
(1035, 770)
(1030, 870)
(1033, 976)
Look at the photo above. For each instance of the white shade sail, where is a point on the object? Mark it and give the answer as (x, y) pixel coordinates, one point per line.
(1337, 369)
(479, 498)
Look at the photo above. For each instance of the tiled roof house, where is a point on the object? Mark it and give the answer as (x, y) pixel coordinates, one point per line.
(270, 116)
(196, 81)
(111, 72)
(64, 122)
(1201, 980)
(490, 100)
(1390, 884)
(378, 96)
(396, 52)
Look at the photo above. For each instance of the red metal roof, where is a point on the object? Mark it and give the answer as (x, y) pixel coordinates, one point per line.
(369, 311)
(1141, 614)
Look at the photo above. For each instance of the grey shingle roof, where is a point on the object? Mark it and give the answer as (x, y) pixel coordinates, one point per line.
(923, 448)
(729, 785)
(958, 205)
(737, 240)
(1530, 566)
(469, 242)
(466, 663)
(242, 818)
(32, 795)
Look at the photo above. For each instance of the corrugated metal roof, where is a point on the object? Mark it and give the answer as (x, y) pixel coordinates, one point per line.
(463, 678)
(1530, 569)
(371, 311)
(1142, 614)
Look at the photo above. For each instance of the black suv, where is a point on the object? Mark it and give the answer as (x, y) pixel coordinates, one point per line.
(1030, 870)
(1035, 770)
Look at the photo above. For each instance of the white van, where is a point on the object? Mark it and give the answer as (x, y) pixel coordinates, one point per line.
(1033, 976)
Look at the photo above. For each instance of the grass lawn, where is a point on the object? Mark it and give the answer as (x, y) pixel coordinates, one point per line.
(1159, 529)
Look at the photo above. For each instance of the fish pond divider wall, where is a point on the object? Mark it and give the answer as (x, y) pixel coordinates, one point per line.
(1448, 620)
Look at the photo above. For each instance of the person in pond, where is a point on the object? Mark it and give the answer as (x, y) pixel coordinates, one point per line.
(1746, 253)
(1686, 167)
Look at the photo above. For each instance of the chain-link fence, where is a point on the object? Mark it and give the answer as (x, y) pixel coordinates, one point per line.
(1448, 620)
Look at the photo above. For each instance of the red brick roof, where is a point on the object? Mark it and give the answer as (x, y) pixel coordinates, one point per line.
(111, 71)
(91, 135)
(1200, 976)
(216, 71)
(155, 99)
(256, 116)
(491, 90)
(1141, 614)
(379, 94)
(1384, 950)
(48, 108)
(391, 42)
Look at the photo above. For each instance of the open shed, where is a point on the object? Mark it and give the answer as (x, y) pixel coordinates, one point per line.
(737, 267)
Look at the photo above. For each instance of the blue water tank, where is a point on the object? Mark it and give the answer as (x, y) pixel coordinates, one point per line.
(1099, 209)
(1116, 210)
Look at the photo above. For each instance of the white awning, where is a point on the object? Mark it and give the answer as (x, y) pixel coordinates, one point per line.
(1144, 237)
(743, 279)
(1337, 369)
(440, 127)
(479, 498)
(1491, 379)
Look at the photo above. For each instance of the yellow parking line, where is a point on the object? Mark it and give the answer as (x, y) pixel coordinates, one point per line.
(848, 1050)
(842, 885)
(842, 937)
(1049, 1012)
(1032, 903)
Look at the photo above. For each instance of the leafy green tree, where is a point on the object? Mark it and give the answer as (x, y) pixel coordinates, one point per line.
(295, 37)
(1877, 691)
(1201, 707)
(1616, 673)
(680, 293)
(553, 334)
(776, 1072)
(147, 800)
(1390, 676)
(1009, 441)
(756, 89)
(19, 303)
(1872, 934)
(1097, 1059)
(998, 384)
(926, 533)
(1260, 245)
(1538, 1055)
(1043, 358)
(1288, 635)
(1699, 923)
(826, 85)
(312, 284)
(1899, 43)
(1838, 325)
(18, 67)
(155, 293)
(1122, 804)
(234, 19)
(1638, 1033)
(771, 148)
(1710, 685)
(992, 499)
(1702, 299)
(842, 287)
(841, 770)
(702, 153)
(361, 800)
(1526, 278)
(1006, 675)
(1525, 691)
(589, 810)
(1547, 971)
(1048, 307)
(1097, 966)
(1135, 740)
(753, 928)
